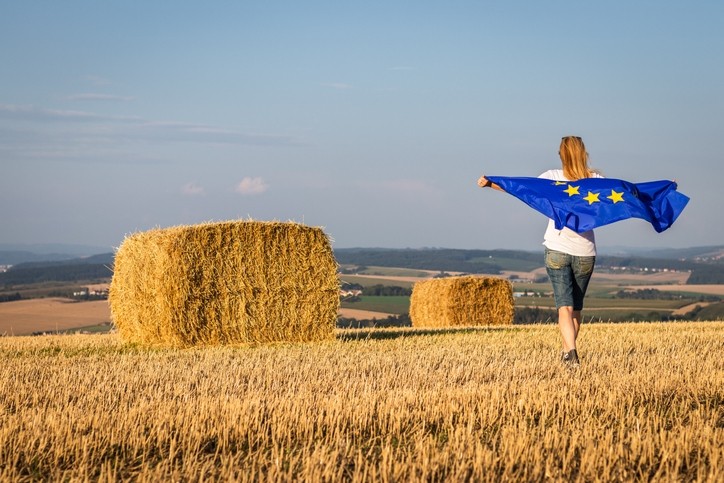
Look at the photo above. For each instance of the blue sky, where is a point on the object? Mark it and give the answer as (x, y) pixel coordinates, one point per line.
(371, 119)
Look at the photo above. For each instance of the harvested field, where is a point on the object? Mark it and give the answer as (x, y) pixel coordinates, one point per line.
(25, 317)
(466, 404)
(362, 314)
(644, 278)
(705, 289)
(689, 308)
(391, 278)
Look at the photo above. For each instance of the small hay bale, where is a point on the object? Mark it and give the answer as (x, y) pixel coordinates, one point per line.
(461, 301)
(228, 282)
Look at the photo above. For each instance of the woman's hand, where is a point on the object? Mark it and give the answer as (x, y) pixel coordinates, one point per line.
(484, 182)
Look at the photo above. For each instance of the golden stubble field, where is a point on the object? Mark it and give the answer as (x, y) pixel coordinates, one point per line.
(385, 405)
(25, 317)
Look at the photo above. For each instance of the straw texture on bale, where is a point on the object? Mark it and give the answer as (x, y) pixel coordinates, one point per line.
(227, 282)
(461, 301)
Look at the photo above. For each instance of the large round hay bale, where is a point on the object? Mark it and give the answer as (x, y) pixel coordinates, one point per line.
(228, 282)
(461, 301)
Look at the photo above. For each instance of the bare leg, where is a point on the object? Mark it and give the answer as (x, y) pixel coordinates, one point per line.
(577, 321)
(568, 326)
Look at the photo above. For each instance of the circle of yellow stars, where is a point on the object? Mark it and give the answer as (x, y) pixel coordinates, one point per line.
(591, 197)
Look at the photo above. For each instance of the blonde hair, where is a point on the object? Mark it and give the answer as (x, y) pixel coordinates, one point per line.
(574, 158)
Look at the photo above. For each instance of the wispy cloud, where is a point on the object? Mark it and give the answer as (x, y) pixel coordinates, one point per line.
(90, 96)
(251, 186)
(190, 132)
(340, 86)
(32, 113)
(192, 189)
(86, 134)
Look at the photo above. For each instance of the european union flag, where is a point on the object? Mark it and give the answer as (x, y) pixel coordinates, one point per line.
(592, 202)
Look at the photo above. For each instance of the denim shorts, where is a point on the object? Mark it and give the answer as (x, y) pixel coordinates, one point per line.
(569, 275)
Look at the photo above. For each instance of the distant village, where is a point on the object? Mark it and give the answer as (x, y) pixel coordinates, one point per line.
(645, 269)
(86, 293)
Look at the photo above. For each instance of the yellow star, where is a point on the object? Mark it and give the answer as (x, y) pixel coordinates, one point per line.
(558, 183)
(572, 190)
(592, 198)
(615, 197)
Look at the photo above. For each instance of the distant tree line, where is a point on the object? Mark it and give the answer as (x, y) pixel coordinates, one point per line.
(706, 273)
(438, 259)
(386, 290)
(10, 297)
(654, 294)
(493, 261)
(391, 321)
(647, 294)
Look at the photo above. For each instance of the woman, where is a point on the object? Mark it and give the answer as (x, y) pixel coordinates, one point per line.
(569, 256)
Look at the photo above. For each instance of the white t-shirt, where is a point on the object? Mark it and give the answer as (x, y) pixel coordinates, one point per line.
(567, 240)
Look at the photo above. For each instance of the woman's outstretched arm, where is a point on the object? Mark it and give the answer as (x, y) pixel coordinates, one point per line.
(484, 182)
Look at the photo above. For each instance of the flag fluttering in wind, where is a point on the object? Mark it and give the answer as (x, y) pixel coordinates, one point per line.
(592, 202)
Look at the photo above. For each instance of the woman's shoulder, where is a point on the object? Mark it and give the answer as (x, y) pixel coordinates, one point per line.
(554, 174)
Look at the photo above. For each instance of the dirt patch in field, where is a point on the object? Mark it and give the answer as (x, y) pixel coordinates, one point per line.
(408, 278)
(688, 308)
(25, 317)
(393, 278)
(648, 278)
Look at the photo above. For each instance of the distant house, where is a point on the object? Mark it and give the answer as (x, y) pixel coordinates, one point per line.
(94, 294)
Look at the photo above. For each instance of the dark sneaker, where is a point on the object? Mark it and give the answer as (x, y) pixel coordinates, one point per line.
(570, 358)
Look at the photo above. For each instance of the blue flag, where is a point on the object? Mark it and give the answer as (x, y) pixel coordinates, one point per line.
(592, 202)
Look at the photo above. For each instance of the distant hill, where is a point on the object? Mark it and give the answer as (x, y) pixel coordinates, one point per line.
(691, 253)
(80, 269)
(14, 253)
(14, 257)
(442, 259)
(75, 250)
(704, 268)
(704, 262)
(103, 259)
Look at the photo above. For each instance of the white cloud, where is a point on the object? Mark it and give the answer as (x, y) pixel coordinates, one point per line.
(76, 134)
(192, 189)
(39, 114)
(251, 186)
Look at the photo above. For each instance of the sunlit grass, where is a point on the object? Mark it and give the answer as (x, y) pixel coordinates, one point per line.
(399, 404)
